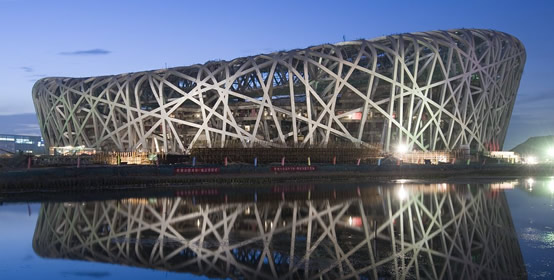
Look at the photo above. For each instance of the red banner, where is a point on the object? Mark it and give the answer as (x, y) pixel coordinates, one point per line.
(292, 168)
(196, 170)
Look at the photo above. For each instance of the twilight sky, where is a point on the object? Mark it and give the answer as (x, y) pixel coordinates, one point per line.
(88, 38)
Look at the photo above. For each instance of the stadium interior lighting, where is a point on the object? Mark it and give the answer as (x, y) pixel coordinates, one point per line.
(402, 148)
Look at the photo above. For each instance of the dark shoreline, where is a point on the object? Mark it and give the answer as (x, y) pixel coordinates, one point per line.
(54, 181)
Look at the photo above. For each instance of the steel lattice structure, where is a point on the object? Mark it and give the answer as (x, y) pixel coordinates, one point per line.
(400, 233)
(435, 90)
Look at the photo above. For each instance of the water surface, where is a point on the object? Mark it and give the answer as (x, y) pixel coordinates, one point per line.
(406, 229)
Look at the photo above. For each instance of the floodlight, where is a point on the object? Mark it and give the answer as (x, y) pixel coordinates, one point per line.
(402, 148)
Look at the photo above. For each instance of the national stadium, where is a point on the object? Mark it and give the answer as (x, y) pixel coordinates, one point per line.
(426, 91)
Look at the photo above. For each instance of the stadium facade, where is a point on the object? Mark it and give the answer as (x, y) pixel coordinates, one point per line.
(438, 90)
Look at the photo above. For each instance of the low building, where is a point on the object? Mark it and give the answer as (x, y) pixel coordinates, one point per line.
(13, 144)
(508, 156)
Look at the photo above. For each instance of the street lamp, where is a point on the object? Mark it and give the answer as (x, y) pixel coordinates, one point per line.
(531, 160)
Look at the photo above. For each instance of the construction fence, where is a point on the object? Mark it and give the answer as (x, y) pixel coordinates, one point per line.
(290, 155)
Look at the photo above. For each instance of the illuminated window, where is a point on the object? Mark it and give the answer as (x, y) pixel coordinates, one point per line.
(23, 141)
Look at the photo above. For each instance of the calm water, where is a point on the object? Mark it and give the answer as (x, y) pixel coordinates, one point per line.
(406, 229)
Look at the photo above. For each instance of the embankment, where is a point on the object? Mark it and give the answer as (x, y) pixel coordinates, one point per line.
(106, 178)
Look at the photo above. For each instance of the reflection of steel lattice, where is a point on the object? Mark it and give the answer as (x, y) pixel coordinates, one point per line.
(452, 235)
(433, 91)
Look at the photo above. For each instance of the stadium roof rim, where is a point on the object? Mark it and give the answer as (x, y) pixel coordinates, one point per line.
(344, 43)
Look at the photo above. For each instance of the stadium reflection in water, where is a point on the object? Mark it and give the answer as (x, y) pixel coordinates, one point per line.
(394, 231)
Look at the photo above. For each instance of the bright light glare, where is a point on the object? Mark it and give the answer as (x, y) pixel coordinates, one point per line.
(531, 160)
(551, 152)
(530, 182)
(402, 193)
(551, 186)
(402, 148)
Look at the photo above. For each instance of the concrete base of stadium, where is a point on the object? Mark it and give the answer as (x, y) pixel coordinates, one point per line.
(109, 178)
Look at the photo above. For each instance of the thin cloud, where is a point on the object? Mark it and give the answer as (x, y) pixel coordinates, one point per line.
(257, 51)
(27, 69)
(541, 97)
(35, 77)
(87, 52)
(28, 257)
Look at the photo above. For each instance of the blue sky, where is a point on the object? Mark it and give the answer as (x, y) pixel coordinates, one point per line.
(87, 38)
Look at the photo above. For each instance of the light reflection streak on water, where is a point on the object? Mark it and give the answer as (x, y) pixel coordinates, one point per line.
(533, 209)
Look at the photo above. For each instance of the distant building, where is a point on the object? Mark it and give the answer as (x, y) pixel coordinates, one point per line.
(13, 144)
(509, 156)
